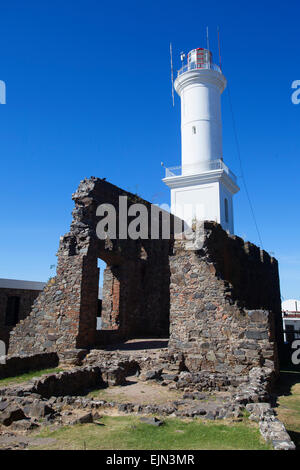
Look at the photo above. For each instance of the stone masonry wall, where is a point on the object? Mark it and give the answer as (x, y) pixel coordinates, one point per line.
(20, 365)
(27, 297)
(224, 304)
(135, 290)
(220, 300)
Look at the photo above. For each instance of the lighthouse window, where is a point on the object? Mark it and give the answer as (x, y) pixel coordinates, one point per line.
(226, 210)
(194, 130)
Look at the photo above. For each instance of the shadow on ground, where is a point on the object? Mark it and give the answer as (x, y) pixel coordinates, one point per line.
(137, 345)
(287, 380)
(288, 401)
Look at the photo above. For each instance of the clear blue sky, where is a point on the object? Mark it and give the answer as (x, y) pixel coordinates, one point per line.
(88, 93)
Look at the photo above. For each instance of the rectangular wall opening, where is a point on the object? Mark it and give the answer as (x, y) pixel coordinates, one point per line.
(12, 311)
(101, 267)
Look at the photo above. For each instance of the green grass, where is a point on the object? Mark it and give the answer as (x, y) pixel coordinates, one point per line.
(104, 394)
(28, 376)
(127, 432)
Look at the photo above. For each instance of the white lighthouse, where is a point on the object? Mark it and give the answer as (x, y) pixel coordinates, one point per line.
(203, 186)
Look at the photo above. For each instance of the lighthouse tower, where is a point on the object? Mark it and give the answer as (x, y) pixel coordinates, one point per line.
(203, 186)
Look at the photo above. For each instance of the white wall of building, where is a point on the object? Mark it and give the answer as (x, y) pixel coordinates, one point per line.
(201, 126)
(227, 224)
(291, 305)
(291, 318)
(200, 191)
(196, 202)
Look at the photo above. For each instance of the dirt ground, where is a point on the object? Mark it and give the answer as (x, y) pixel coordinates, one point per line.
(138, 392)
(18, 441)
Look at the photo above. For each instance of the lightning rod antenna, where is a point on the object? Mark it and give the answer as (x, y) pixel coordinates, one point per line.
(172, 78)
(219, 45)
(207, 38)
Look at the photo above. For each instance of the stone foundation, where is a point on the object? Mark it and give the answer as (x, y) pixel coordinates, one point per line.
(60, 398)
(16, 365)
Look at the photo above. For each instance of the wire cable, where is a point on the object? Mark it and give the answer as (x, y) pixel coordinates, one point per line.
(241, 166)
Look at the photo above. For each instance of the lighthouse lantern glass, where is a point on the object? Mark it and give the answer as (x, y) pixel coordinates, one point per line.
(199, 58)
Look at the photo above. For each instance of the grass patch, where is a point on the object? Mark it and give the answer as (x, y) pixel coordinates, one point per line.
(18, 379)
(104, 394)
(128, 433)
(288, 409)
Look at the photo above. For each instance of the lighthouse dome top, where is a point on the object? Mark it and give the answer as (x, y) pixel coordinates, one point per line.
(199, 59)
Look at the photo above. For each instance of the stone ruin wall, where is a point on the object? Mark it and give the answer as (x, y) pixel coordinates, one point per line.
(225, 309)
(27, 297)
(222, 301)
(136, 284)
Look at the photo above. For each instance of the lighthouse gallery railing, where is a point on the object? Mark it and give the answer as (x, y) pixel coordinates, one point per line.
(200, 167)
(198, 65)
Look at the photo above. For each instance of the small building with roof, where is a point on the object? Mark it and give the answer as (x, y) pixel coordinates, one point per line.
(16, 299)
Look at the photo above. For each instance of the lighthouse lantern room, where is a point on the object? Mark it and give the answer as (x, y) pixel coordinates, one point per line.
(203, 186)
